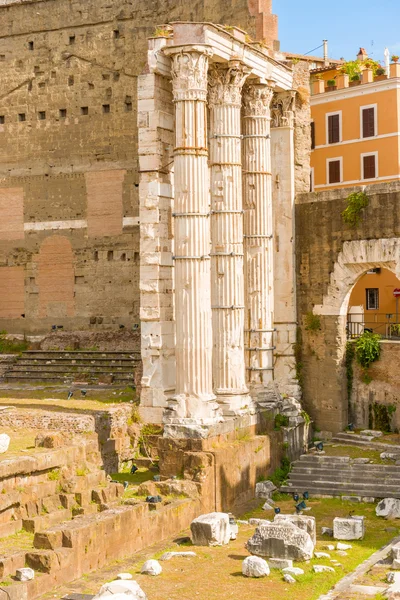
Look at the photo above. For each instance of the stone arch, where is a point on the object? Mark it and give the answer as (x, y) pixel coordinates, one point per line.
(56, 278)
(353, 261)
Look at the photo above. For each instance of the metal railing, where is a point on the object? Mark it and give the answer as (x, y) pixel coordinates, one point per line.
(382, 324)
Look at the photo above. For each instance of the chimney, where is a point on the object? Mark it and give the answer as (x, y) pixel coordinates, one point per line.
(326, 60)
(362, 55)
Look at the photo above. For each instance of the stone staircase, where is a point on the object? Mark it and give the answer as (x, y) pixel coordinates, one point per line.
(342, 476)
(364, 441)
(81, 366)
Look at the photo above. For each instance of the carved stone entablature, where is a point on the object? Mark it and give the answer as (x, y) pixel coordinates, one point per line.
(189, 71)
(226, 82)
(257, 100)
(282, 109)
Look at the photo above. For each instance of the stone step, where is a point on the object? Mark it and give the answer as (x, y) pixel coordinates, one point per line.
(11, 562)
(50, 377)
(332, 492)
(349, 471)
(10, 528)
(45, 521)
(354, 439)
(359, 483)
(71, 369)
(78, 361)
(338, 480)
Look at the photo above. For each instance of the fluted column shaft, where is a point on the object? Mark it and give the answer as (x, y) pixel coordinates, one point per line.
(227, 291)
(194, 400)
(258, 224)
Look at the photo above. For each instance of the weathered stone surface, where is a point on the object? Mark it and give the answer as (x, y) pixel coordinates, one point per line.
(396, 551)
(25, 574)
(264, 489)
(330, 547)
(321, 555)
(258, 522)
(50, 440)
(151, 567)
(361, 461)
(4, 442)
(389, 508)
(323, 569)
(302, 522)
(390, 577)
(212, 529)
(254, 566)
(396, 564)
(341, 546)
(267, 506)
(327, 531)
(293, 571)
(169, 555)
(288, 578)
(279, 563)
(119, 589)
(281, 540)
(390, 456)
(124, 576)
(371, 432)
(348, 529)
(342, 553)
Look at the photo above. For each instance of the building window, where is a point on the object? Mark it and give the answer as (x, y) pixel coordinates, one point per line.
(333, 128)
(106, 108)
(21, 117)
(2, 119)
(334, 171)
(368, 122)
(84, 110)
(63, 113)
(41, 115)
(369, 166)
(372, 298)
(312, 135)
(30, 45)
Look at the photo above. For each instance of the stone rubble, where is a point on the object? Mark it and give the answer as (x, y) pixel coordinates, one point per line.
(264, 489)
(280, 563)
(169, 555)
(323, 569)
(258, 522)
(342, 553)
(4, 442)
(288, 578)
(254, 566)
(281, 540)
(390, 456)
(371, 432)
(330, 547)
(293, 571)
(352, 528)
(321, 555)
(388, 508)
(25, 574)
(212, 529)
(124, 576)
(267, 506)
(327, 531)
(341, 546)
(302, 522)
(151, 567)
(121, 590)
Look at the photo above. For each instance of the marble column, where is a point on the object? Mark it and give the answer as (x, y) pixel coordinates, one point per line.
(227, 291)
(258, 229)
(193, 408)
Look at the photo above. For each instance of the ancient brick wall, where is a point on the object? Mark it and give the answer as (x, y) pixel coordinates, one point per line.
(68, 153)
(331, 256)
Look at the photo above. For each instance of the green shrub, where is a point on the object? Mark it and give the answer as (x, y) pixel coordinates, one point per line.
(280, 421)
(12, 346)
(368, 348)
(356, 202)
(349, 357)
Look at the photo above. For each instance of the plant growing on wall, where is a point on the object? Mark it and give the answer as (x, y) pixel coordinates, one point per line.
(312, 322)
(352, 68)
(368, 348)
(297, 350)
(331, 82)
(356, 202)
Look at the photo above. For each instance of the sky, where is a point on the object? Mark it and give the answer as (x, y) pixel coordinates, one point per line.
(346, 24)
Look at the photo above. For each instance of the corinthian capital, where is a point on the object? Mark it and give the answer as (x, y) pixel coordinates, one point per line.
(189, 71)
(257, 99)
(282, 109)
(226, 82)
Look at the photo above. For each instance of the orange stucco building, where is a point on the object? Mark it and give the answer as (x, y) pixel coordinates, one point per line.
(355, 129)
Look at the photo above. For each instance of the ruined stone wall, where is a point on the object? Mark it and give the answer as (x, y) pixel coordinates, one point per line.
(381, 391)
(69, 208)
(330, 257)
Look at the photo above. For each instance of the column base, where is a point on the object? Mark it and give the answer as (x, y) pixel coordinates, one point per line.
(191, 417)
(235, 405)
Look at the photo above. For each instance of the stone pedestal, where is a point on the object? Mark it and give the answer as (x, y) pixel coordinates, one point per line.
(193, 408)
(258, 229)
(225, 86)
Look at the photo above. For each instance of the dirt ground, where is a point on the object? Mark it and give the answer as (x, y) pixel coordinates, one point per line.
(215, 573)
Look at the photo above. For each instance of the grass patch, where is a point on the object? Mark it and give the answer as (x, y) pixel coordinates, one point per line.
(141, 475)
(355, 452)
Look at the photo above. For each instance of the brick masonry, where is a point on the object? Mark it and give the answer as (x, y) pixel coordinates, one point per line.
(68, 153)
